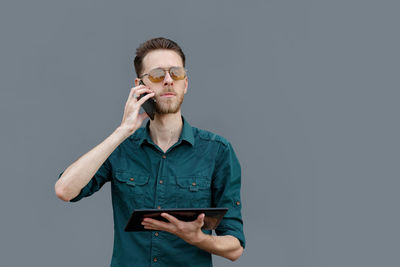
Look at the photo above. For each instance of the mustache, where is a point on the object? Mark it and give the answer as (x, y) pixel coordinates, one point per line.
(168, 91)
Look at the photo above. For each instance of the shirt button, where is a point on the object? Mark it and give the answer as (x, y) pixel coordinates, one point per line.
(132, 179)
(159, 207)
(155, 259)
(161, 181)
(237, 203)
(156, 233)
(164, 157)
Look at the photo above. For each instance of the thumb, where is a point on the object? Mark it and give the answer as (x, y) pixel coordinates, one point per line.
(200, 218)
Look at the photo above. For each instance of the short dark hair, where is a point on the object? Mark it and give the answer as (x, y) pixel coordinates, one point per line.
(154, 44)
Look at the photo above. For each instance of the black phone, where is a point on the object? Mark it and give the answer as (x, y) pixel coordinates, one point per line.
(150, 105)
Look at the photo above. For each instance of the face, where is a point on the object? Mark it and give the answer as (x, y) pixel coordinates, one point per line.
(165, 59)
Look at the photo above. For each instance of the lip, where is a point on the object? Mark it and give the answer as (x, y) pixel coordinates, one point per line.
(168, 95)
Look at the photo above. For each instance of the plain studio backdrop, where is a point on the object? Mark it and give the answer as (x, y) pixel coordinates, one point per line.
(307, 92)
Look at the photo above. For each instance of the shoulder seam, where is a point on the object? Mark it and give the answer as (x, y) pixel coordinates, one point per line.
(210, 136)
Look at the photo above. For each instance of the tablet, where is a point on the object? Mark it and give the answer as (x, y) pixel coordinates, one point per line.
(213, 217)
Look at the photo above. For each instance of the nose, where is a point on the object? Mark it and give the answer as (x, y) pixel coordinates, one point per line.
(168, 80)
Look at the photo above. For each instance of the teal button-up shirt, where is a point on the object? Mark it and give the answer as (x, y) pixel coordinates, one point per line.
(201, 170)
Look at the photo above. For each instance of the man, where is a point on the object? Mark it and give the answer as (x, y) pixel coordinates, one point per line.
(167, 164)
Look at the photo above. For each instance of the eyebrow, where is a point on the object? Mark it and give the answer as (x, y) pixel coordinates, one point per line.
(164, 68)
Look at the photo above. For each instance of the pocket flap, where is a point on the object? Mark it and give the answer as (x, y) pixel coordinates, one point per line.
(132, 178)
(193, 182)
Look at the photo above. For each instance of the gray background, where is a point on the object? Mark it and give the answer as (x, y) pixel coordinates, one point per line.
(306, 91)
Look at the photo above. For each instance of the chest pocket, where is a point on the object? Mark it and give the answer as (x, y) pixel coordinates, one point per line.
(193, 192)
(132, 188)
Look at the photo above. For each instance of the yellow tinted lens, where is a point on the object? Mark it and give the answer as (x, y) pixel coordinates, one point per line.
(156, 75)
(177, 73)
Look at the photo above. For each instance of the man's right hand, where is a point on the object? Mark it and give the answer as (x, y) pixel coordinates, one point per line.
(132, 120)
(79, 173)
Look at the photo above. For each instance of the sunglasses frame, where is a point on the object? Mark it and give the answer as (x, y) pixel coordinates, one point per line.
(165, 70)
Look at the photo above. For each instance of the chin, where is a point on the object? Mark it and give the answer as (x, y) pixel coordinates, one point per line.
(167, 111)
(168, 108)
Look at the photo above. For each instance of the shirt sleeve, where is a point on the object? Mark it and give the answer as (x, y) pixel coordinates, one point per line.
(102, 176)
(226, 193)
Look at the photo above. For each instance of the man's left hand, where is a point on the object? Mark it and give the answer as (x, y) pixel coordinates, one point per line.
(188, 231)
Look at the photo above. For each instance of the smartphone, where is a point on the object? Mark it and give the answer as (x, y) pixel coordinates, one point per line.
(150, 105)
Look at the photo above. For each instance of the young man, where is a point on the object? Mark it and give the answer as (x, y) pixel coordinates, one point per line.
(167, 164)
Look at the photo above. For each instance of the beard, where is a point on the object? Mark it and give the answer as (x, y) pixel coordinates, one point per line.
(169, 105)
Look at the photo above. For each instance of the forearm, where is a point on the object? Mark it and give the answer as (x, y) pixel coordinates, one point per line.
(226, 246)
(79, 173)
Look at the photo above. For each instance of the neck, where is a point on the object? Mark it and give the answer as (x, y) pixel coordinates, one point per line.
(166, 129)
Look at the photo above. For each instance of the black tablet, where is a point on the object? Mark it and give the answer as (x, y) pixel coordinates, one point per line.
(212, 218)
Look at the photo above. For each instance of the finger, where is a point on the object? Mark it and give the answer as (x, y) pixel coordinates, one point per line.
(133, 90)
(136, 89)
(144, 98)
(156, 223)
(143, 90)
(170, 218)
(147, 225)
(138, 92)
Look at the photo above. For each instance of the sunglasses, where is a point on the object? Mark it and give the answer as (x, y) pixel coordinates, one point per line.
(157, 75)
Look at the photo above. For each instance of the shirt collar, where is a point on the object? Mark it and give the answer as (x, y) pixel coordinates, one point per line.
(186, 134)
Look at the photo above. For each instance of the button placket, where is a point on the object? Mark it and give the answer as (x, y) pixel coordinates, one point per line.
(160, 186)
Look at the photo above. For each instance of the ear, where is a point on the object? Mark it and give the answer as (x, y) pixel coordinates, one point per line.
(137, 80)
(186, 85)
